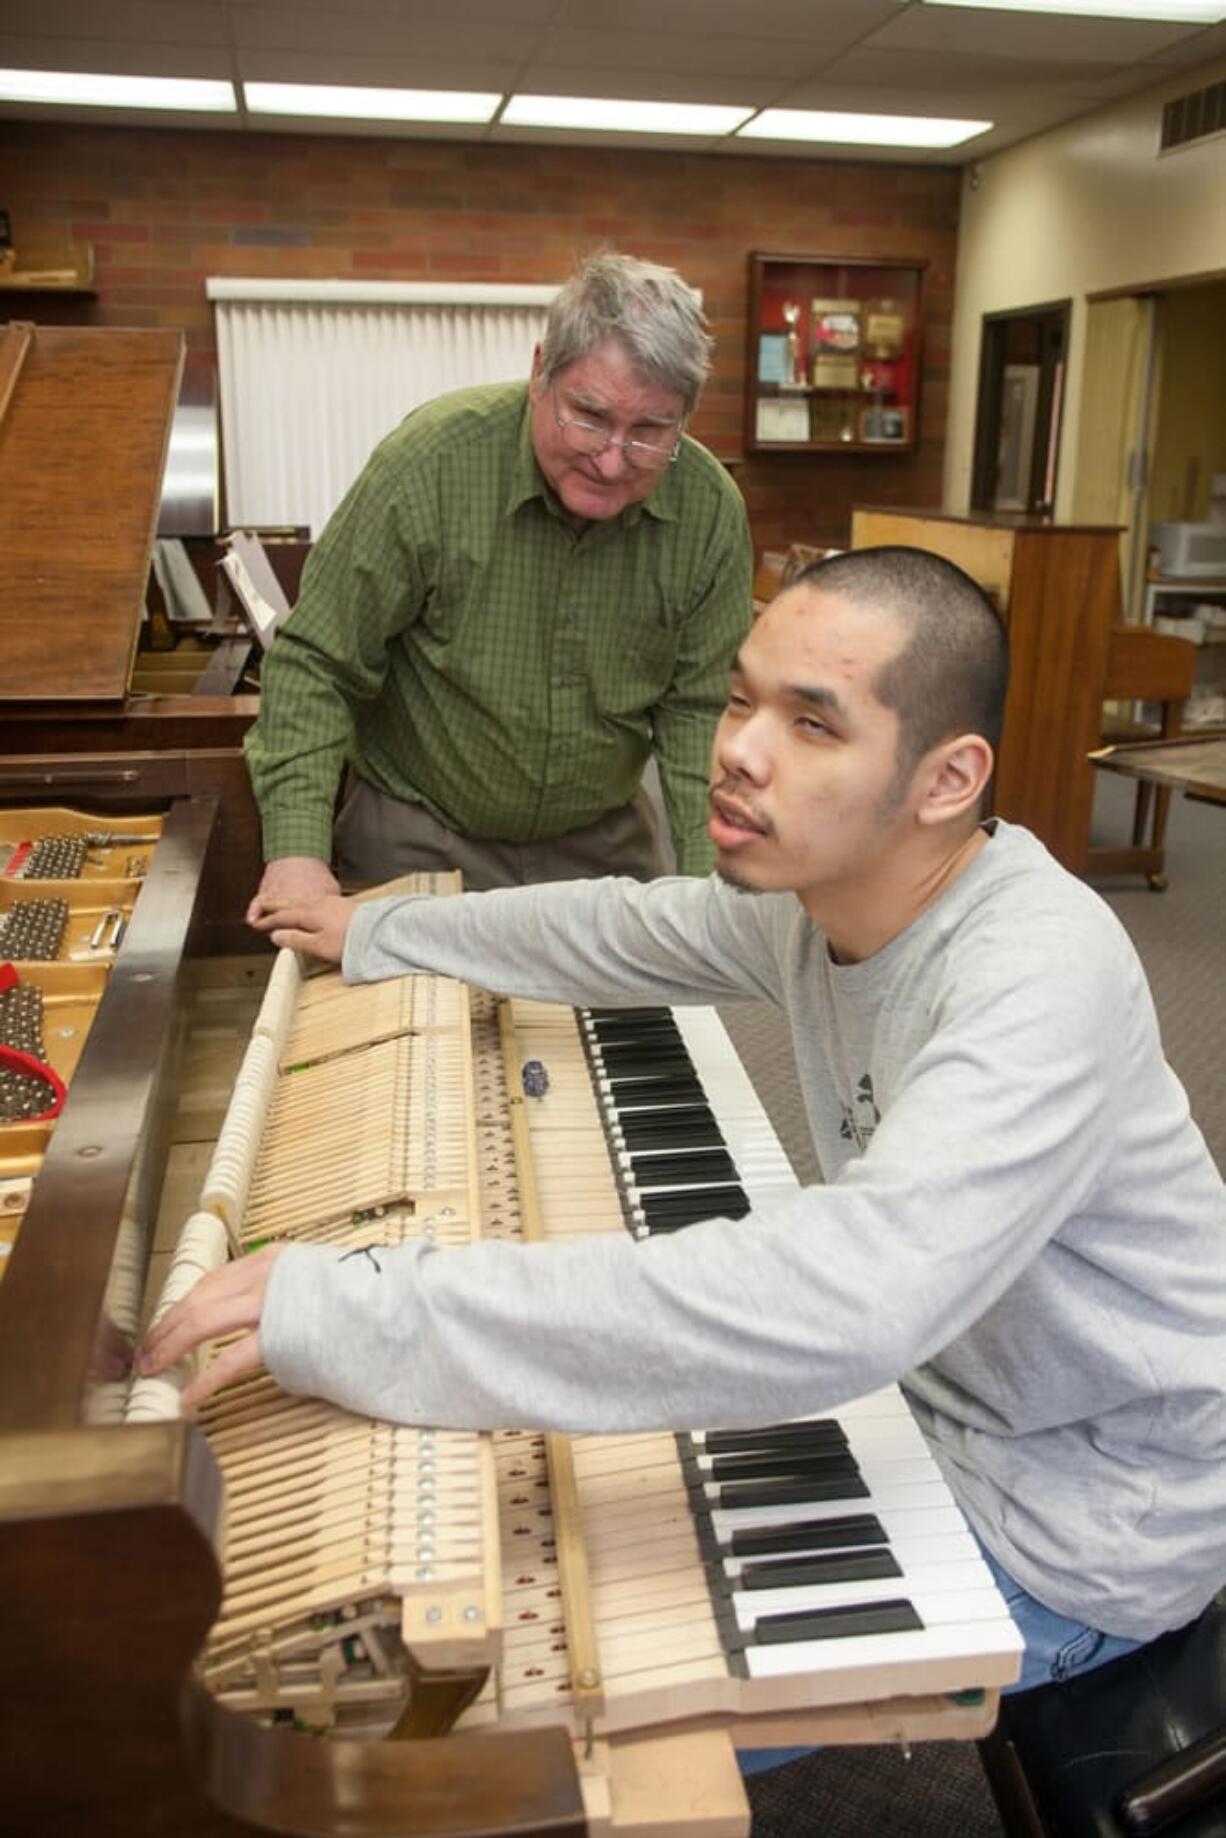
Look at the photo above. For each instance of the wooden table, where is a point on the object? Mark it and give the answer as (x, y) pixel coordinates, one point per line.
(1194, 763)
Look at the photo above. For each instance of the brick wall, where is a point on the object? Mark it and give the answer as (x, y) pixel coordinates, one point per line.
(164, 209)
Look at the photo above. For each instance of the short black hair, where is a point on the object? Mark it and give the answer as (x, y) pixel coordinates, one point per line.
(952, 675)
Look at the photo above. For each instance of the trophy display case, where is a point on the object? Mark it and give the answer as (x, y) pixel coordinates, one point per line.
(834, 353)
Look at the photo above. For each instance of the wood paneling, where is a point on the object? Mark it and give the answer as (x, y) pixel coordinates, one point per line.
(1058, 589)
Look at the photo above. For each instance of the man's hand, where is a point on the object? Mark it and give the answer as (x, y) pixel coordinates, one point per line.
(293, 880)
(319, 927)
(226, 1301)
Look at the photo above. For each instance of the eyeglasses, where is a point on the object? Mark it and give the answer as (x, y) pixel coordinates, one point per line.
(590, 438)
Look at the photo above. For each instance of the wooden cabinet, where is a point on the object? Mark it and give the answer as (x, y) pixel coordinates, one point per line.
(1058, 589)
(833, 362)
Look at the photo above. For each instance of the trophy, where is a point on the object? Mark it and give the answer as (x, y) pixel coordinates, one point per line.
(791, 317)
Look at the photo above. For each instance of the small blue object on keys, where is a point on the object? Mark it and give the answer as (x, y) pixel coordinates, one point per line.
(536, 1079)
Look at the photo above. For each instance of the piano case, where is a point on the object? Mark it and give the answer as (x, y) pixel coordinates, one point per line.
(85, 418)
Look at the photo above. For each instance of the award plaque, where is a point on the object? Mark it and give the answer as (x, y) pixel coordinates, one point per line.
(885, 328)
(786, 420)
(774, 358)
(835, 343)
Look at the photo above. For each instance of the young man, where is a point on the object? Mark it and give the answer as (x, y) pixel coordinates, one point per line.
(530, 589)
(1020, 1221)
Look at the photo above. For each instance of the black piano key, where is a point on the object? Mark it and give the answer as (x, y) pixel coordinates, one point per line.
(830, 1567)
(640, 1066)
(832, 1461)
(625, 1120)
(736, 1496)
(689, 1209)
(661, 1051)
(806, 1535)
(670, 1042)
(682, 1168)
(663, 1027)
(776, 1436)
(666, 1136)
(624, 1015)
(894, 1617)
(683, 1122)
(641, 1090)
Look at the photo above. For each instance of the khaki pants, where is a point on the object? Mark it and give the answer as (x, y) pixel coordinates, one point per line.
(377, 838)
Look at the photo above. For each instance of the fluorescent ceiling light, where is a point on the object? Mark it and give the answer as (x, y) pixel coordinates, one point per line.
(1166, 12)
(94, 89)
(357, 104)
(597, 112)
(862, 130)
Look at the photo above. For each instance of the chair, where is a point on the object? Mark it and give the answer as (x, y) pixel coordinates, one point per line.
(1152, 667)
(1137, 1746)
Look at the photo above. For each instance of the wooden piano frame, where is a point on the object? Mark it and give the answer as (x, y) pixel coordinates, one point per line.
(106, 1529)
(85, 419)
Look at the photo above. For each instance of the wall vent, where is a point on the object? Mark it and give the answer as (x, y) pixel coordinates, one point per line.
(1194, 116)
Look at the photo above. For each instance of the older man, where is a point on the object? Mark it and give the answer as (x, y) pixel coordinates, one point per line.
(530, 589)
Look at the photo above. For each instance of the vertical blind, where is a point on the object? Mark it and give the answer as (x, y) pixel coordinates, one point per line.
(312, 376)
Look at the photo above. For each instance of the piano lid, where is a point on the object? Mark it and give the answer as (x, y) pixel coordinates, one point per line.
(85, 415)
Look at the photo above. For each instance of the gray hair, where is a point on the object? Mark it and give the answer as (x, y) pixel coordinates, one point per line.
(649, 308)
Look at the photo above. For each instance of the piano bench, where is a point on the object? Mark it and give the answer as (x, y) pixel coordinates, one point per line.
(1137, 1746)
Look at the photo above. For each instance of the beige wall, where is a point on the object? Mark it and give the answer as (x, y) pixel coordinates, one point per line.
(1081, 209)
(1190, 438)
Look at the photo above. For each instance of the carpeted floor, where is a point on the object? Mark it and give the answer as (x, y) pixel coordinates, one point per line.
(940, 1791)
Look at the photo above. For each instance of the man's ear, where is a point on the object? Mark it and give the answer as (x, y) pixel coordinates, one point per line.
(954, 777)
(534, 380)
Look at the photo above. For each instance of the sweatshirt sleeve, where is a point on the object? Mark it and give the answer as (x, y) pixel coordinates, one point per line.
(999, 1130)
(614, 941)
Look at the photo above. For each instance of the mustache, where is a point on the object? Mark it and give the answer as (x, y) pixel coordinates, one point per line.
(728, 791)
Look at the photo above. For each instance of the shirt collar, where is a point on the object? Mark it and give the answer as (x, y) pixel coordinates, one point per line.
(528, 481)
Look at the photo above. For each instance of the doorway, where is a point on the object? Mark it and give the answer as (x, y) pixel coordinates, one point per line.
(1017, 423)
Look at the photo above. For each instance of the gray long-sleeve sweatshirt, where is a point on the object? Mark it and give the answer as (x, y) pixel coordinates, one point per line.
(1020, 1220)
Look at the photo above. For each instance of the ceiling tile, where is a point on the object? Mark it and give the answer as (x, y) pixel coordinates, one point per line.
(427, 12)
(1044, 36)
(1200, 48)
(117, 57)
(332, 29)
(181, 22)
(954, 71)
(540, 79)
(663, 52)
(372, 70)
(819, 22)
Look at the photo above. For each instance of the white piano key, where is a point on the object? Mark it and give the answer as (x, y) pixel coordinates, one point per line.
(882, 1478)
(932, 1493)
(918, 1586)
(912, 1550)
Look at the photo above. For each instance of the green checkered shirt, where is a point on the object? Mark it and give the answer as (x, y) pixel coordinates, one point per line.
(467, 648)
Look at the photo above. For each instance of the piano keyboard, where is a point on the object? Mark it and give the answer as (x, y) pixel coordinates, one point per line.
(686, 1145)
(805, 1564)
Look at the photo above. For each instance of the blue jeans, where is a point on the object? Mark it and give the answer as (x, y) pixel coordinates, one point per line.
(1056, 1649)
